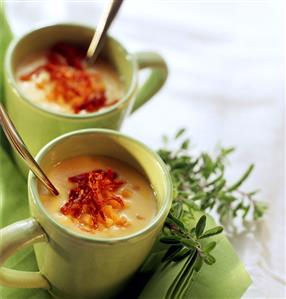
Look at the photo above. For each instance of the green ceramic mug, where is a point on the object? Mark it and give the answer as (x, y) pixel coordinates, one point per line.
(38, 126)
(74, 265)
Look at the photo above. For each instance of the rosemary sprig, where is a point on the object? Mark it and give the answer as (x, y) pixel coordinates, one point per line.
(185, 242)
(199, 183)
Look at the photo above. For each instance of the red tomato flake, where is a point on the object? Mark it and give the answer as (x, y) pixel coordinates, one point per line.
(72, 83)
(93, 200)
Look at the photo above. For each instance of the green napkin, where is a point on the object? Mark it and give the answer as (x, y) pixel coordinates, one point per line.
(14, 207)
(5, 37)
(226, 279)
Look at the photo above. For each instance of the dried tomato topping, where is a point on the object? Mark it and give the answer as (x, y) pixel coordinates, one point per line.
(93, 201)
(72, 83)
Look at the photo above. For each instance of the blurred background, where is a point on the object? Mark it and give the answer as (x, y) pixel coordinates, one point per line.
(226, 86)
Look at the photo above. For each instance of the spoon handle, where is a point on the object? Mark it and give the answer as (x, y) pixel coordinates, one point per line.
(18, 144)
(103, 25)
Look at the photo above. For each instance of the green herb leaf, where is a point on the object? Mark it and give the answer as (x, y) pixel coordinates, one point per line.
(200, 183)
(180, 133)
(185, 144)
(170, 240)
(259, 209)
(173, 220)
(212, 232)
(209, 259)
(209, 247)
(198, 264)
(171, 252)
(183, 254)
(189, 243)
(227, 151)
(242, 179)
(201, 226)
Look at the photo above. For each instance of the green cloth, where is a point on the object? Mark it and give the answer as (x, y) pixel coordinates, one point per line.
(226, 279)
(14, 207)
(5, 37)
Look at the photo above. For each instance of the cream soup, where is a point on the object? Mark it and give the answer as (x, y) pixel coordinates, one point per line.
(138, 197)
(70, 85)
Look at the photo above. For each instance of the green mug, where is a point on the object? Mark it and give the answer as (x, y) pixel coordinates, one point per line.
(38, 126)
(74, 265)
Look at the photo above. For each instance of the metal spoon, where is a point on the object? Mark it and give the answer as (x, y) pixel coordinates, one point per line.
(98, 38)
(18, 144)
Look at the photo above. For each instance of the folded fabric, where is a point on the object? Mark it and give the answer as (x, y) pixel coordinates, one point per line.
(226, 279)
(5, 38)
(14, 207)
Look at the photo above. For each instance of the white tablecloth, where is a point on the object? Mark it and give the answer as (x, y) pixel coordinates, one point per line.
(226, 85)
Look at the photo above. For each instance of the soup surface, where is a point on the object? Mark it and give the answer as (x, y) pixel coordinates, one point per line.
(60, 80)
(99, 196)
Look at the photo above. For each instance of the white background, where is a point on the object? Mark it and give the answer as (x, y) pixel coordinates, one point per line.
(226, 85)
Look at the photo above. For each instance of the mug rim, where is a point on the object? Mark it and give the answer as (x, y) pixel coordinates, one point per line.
(161, 213)
(11, 78)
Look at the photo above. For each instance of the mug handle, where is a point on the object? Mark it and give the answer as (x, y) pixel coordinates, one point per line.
(14, 237)
(158, 75)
